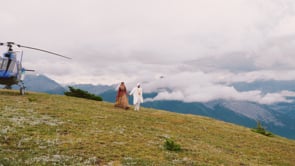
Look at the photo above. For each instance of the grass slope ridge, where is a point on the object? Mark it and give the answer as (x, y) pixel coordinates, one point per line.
(42, 129)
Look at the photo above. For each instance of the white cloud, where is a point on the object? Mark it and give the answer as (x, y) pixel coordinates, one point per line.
(200, 47)
(201, 87)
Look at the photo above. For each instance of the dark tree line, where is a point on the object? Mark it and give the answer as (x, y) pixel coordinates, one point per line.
(82, 94)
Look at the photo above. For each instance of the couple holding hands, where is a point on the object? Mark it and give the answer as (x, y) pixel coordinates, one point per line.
(122, 98)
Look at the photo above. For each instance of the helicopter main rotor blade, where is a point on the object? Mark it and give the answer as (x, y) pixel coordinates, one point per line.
(43, 51)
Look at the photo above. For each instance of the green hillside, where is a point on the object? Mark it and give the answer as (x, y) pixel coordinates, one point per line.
(43, 129)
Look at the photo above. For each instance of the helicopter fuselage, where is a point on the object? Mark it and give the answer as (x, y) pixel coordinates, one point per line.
(10, 71)
(9, 81)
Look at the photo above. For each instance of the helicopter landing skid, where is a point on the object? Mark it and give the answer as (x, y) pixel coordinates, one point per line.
(22, 88)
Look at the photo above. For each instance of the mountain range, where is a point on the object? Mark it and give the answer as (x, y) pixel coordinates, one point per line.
(277, 118)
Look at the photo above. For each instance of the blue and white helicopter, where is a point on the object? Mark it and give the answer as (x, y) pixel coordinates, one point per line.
(11, 70)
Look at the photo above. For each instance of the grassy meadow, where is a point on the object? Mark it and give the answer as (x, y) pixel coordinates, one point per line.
(43, 129)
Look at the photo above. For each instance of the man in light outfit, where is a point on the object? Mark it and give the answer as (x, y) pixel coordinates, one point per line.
(137, 96)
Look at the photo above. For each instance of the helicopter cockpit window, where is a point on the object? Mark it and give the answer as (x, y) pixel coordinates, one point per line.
(13, 67)
(4, 63)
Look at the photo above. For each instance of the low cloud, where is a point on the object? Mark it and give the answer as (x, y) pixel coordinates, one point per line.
(201, 87)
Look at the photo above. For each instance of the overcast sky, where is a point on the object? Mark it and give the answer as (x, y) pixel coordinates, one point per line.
(199, 46)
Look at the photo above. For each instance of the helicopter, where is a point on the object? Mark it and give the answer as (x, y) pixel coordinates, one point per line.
(11, 70)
